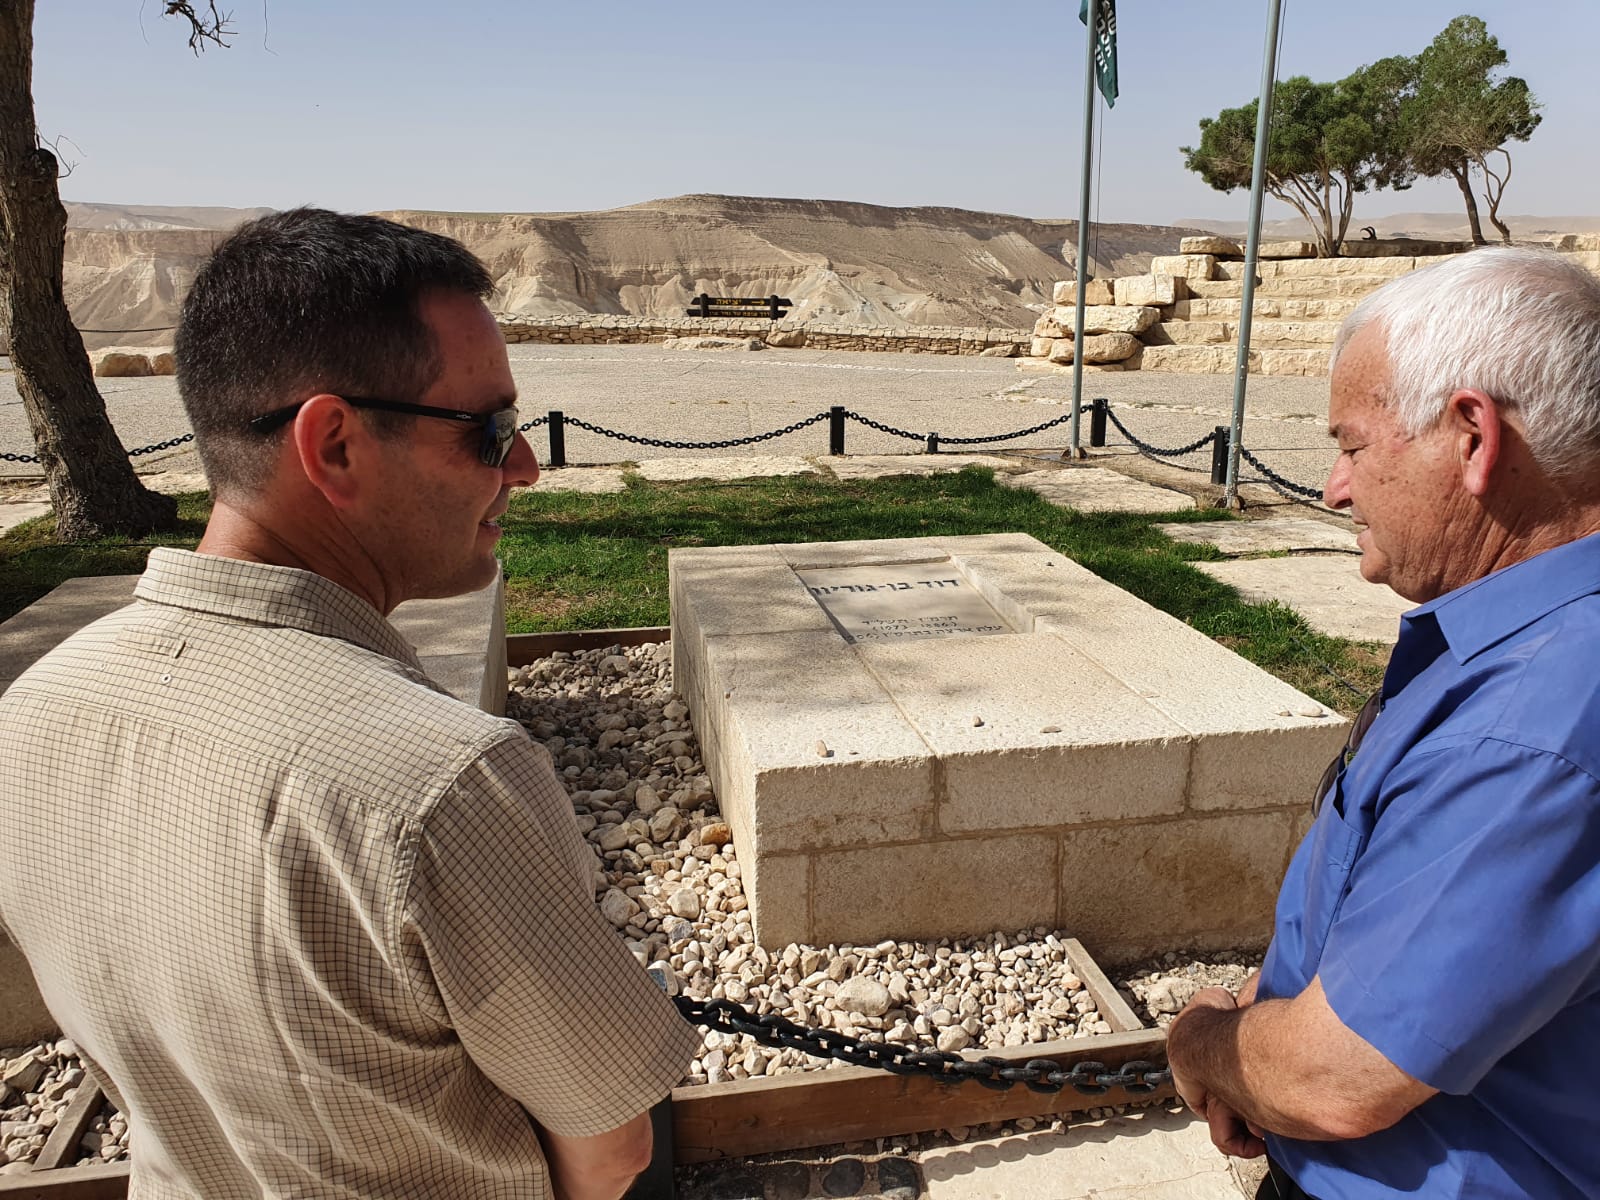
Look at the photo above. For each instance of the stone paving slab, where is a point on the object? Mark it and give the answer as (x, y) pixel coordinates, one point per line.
(877, 466)
(1327, 591)
(669, 470)
(1153, 1154)
(1099, 489)
(14, 514)
(592, 481)
(1271, 534)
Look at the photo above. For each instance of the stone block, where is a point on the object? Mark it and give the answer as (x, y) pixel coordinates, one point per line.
(1098, 348)
(933, 889)
(1184, 266)
(1095, 291)
(828, 764)
(779, 890)
(1061, 321)
(121, 364)
(1041, 347)
(1152, 290)
(1074, 745)
(1191, 333)
(1204, 360)
(1286, 250)
(1203, 883)
(1216, 246)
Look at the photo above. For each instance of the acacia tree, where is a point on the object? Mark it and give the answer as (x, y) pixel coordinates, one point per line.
(93, 487)
(1458, 116)
(1325, 144)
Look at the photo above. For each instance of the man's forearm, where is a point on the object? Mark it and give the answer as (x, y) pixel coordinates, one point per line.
(1289, 1066)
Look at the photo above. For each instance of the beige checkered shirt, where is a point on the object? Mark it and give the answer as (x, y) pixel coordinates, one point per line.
(327, 931)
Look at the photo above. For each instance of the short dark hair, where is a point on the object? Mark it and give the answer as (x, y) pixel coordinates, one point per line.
(306, 301)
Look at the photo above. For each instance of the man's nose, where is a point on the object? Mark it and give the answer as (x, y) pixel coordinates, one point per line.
(1336, 492)
(521, 467)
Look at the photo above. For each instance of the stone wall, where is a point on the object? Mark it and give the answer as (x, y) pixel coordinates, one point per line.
(1184, 315)
(584, 329)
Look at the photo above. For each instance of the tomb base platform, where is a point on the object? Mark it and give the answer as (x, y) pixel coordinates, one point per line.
(933, 737)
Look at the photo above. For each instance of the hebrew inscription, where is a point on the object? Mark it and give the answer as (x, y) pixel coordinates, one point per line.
(899, 602)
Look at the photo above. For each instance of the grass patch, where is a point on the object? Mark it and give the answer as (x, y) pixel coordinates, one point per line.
(600, 561)
(32, 562)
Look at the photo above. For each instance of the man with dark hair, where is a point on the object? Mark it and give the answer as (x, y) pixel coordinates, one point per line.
(342, 938)
(1427, 1021)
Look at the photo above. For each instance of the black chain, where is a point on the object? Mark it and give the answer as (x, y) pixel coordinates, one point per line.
(166, 445)
(1037, 1074)
(723, 445)
(533, 424)
(882, 428)
(1278, 481)
(169, 444)
(1003, 437)
(1146, 448)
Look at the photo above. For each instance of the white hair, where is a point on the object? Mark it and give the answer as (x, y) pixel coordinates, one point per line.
(1521, 325)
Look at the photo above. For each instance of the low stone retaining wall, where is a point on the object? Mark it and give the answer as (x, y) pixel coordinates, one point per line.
(612, 330)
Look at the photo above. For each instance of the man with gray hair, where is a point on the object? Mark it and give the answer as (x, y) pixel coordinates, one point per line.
(1427, 1021)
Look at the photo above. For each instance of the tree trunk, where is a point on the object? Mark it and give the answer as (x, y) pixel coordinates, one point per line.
(1459, 172)
(1494, 188)
(93, 486)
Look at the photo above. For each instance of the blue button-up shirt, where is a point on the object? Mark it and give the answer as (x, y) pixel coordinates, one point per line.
(1449, 896)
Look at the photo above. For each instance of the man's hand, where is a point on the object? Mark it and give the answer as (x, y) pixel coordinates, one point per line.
(1230, 1133)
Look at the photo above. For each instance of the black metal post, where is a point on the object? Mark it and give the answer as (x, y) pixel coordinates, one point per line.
(1097, 421)
(772, 305)
(836, 429)
(704, 301)
(1219, 456)
(558, 439)
(655, 1182)
(933, 443)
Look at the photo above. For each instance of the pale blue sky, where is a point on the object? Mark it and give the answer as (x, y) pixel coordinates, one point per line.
(544, 107)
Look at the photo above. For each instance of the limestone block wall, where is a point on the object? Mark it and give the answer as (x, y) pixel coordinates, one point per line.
(1184, 315)
(586, 329)
(1102, 768)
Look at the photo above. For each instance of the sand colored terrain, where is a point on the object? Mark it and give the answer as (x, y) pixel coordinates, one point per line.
(838, 261)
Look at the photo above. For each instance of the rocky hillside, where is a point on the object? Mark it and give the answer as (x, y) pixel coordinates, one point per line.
(836, 260)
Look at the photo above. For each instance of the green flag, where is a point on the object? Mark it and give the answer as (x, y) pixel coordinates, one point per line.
(1105, 47)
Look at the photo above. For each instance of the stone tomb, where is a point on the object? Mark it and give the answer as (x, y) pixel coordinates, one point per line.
(941, 736)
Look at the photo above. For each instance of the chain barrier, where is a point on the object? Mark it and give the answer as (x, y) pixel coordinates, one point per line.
(1278, 481)
(533, 424)
(1005, 437)
(1037, 1074)
(882, 428)
(169, 444)
(1146, 448)
(723, 445)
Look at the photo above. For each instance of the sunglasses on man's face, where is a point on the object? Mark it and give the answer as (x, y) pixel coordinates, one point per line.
(499, 426)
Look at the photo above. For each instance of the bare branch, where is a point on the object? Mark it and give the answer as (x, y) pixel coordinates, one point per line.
(207, 26)
(63, 167)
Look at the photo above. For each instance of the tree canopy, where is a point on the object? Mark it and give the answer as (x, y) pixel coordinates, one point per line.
(1442, 112)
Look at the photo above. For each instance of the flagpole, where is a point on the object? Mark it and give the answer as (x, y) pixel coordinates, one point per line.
(1247, 300)
(1083, 225)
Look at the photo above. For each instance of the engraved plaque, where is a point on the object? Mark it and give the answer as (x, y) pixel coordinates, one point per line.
(899, 602)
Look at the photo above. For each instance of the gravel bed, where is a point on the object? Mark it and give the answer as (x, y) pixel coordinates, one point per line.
(40, 1081)
(668, 878)
(1158, 990)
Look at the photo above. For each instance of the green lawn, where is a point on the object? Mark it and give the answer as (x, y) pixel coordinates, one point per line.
(597, 562)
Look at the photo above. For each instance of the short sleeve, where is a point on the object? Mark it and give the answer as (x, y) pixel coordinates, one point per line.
(1470, 920)
(545, 997)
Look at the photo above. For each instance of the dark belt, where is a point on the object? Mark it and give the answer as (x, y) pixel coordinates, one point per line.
(1278, 1186)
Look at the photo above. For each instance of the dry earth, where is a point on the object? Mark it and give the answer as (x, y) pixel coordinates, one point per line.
(128, 267)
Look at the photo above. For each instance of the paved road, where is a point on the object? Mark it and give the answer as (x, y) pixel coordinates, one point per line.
(710, 395)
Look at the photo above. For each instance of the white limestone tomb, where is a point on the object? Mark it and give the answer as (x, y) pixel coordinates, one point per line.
(930, 737)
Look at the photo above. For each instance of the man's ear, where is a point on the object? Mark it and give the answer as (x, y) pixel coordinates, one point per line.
(328, 439)
(1478, 430)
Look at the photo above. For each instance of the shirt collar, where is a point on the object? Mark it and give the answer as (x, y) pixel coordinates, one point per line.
(269, 595)
(1489, 610)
